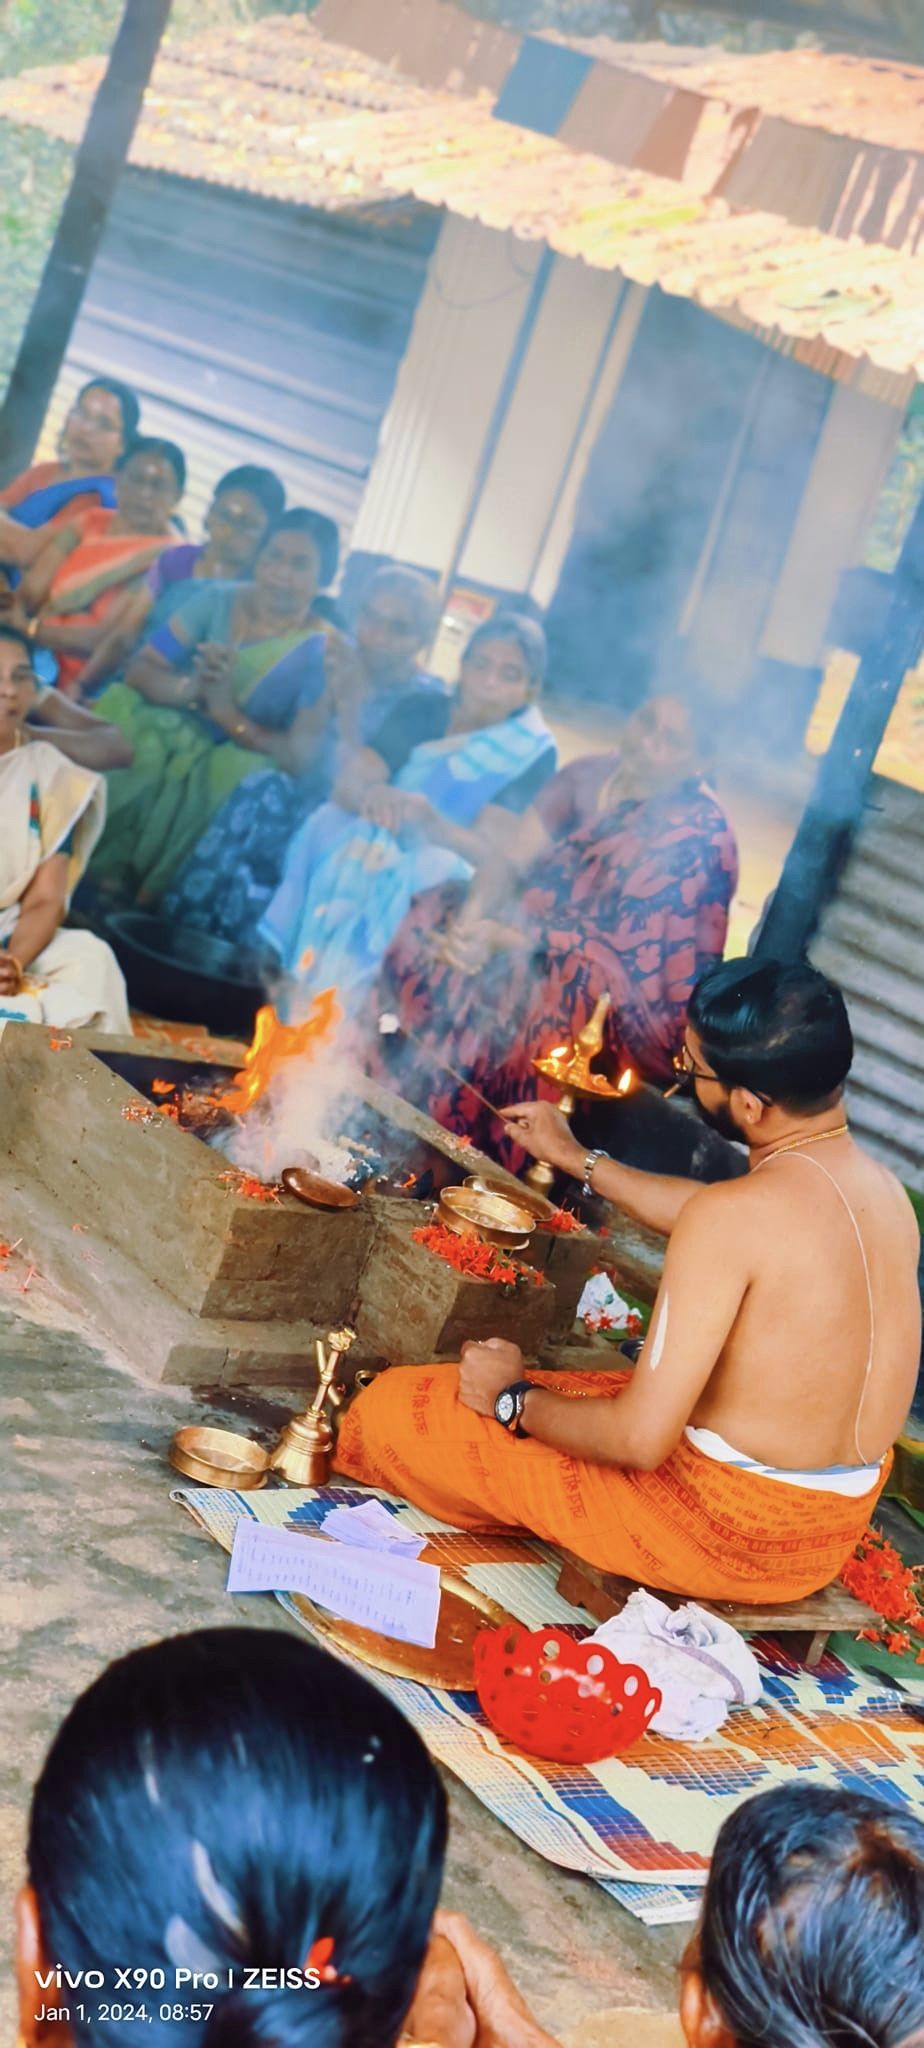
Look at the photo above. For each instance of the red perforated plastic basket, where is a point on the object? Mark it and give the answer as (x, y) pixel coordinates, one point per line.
(574, 1703)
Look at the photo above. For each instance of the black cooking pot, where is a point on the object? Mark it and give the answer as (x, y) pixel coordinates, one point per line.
(185, 975)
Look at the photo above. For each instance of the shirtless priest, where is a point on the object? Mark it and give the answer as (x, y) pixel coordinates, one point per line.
(743, 1457)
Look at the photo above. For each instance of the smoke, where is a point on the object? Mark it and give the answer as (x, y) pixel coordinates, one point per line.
(299, 1121)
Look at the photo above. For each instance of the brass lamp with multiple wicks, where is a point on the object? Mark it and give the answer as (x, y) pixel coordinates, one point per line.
(570, 1067)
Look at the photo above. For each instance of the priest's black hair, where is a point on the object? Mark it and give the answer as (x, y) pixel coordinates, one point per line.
(780, 1029)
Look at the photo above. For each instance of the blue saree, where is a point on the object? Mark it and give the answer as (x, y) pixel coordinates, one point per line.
(348, 884)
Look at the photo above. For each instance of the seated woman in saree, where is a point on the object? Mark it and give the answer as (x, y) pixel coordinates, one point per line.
(619, 882)
(51, 813)
(100, 427)
(245, 504)
(237, 679)
(236, 868)
(351, 875)
(88, 564)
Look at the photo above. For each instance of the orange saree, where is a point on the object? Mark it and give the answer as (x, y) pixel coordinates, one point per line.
(712, 1531)
(92, 577)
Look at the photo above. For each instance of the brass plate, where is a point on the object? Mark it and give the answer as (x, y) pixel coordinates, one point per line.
(316, 1191)
(449, 1666)
(219, 1457)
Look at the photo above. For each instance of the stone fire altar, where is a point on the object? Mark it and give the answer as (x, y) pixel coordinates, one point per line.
(196, 1282)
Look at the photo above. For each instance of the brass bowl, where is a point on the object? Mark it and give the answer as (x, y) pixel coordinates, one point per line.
(537, 1206)
(219, 1457)
(492, 1218)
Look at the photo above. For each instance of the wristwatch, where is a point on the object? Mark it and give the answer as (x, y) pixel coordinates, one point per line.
(508, 1408)
(590, 1165)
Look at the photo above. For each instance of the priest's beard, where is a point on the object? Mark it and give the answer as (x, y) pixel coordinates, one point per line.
(722, 1121)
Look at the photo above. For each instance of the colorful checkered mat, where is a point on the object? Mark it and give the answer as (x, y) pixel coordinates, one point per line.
(643, 1825)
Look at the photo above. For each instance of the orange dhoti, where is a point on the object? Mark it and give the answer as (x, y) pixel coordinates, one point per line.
(694, 1526)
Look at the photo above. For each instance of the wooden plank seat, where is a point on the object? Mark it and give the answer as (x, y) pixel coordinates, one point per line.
(812, 1621)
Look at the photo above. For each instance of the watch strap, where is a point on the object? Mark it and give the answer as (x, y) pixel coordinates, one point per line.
(519, 1389)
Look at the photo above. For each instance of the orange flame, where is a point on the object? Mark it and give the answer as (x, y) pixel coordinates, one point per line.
(625, 1082)
(273, 1043)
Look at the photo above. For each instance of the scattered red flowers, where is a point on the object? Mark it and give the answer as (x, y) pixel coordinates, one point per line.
(478, 1261)
(163, 1087)
(247, 1184)
(875, 1573)
(60, 1042)
(563, 1221)
(8, 1252)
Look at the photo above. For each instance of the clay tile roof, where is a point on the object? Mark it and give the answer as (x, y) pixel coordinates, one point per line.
(273, 109)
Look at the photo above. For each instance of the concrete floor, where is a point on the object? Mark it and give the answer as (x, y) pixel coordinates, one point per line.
(95, 1560)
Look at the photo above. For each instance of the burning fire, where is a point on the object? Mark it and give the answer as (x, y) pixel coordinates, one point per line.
(275, 1042)
(626, 1081)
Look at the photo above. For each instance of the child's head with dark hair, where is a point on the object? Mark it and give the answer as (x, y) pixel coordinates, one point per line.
(781, 1032)
(229, 1800)
(812, 1930)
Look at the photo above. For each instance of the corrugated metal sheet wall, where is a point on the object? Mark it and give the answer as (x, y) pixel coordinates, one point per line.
(872, 943)
(252, 332)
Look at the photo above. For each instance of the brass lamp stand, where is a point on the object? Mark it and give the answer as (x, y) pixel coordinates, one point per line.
(569, 1066)
(303, 1454)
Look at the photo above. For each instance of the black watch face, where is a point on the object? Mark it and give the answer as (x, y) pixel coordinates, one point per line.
(505, 1407)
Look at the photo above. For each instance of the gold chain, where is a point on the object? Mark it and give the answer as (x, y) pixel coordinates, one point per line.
(798, 1144)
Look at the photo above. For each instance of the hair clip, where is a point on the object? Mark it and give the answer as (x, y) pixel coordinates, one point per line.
(320, 1958)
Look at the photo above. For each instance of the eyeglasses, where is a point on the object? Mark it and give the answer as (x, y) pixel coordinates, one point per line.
(684, 1069)
(682, 1063)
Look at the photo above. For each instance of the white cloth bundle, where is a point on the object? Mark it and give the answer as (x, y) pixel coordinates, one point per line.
(701, 1665)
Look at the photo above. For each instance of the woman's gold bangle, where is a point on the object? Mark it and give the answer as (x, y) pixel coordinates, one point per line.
(20, 970)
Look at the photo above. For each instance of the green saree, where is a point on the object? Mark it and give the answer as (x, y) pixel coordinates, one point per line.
(184, 767)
